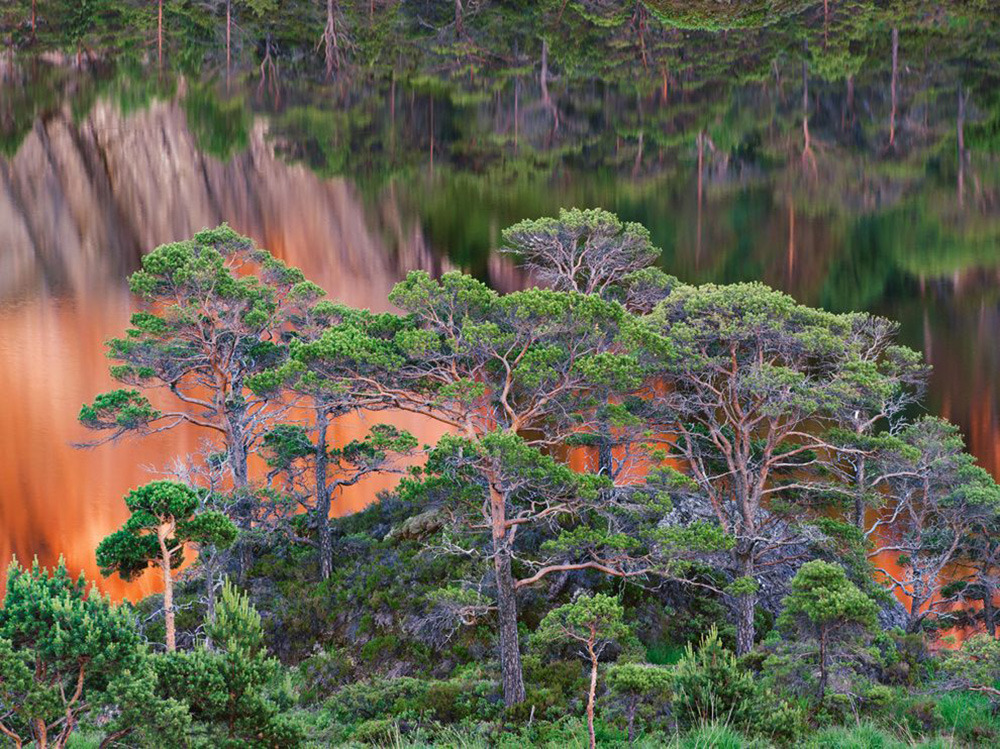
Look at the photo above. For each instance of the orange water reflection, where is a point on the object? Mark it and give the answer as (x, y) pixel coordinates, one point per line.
(64, 258)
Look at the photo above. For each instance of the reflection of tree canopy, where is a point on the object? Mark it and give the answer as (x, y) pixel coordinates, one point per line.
(644, 107)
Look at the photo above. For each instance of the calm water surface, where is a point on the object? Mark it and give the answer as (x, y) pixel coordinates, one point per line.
(851, 161)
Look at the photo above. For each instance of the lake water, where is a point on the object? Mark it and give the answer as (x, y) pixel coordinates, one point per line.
(852, 160)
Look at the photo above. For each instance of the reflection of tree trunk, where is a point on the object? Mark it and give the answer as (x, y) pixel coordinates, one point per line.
(331, 42)
(639, 20)
(517, 114)
(269, 71)
(430, 145)
(808, 157)
(229, 24)
(701, 161)
(638, 157)
(159, 33)
(790, 258)
(960, 133)
(546, 97)
(892, 86)
(847, 111)
(826, 21)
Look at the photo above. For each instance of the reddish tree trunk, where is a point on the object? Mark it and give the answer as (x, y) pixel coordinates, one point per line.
(591, 694)
(168, 586)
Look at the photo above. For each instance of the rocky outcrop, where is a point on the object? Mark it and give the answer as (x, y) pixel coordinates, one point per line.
(774, 579)
(80, 202)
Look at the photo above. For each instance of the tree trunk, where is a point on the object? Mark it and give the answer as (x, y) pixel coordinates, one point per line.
(322, 510)
(989, 611)
(237, 450)
(510, 649)
(745, 605)
(859, 499)
(916, 617)
(822, 665)
(459, 21)
(605, 464)
(209, 600)
(592, 693)
(168, 585)
(41, 734)
(33, 2)
(633, 705)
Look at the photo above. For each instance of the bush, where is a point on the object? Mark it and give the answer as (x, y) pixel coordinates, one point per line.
(378, 731)
(363, 701)
(639, 690)
(709, 686)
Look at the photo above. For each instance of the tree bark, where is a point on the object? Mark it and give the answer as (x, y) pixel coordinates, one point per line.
(510, 650)
(237, 450)
(916, 617)
(592, 692)
(859, 499)
(633, 705)
(822, 665)
(989, 612)
(605, 464)
(745, 605)
(322, 510)
(209, 600)
(41, 734)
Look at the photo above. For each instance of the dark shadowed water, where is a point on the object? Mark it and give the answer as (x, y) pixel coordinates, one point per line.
(850, 157)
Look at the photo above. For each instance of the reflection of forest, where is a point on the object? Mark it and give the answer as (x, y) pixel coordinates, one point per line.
(844, 151)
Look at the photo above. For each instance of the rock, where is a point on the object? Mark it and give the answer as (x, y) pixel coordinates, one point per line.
(417, 526)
